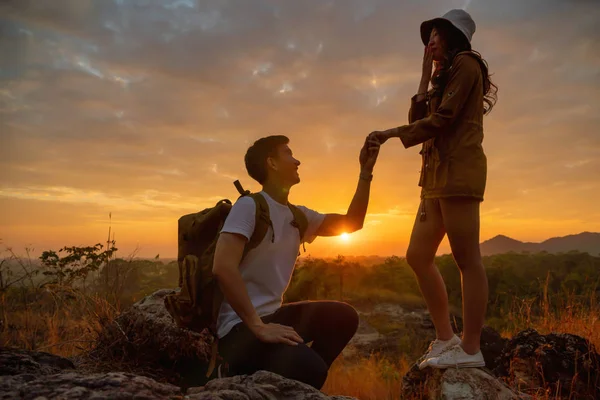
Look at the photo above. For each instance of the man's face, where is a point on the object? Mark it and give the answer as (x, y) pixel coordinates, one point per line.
(285, 167)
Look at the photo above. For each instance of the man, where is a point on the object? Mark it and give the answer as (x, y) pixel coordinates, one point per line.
(255, 331)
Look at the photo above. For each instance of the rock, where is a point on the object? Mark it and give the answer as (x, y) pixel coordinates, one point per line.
(37, 380)
(145, 337)
(258, 386)
(410, 334)
(391, 330)
(563, 364)
(11, 384)
(73, 385)
(492, 345)
(362, 341)
(15, 362)
(455, 384)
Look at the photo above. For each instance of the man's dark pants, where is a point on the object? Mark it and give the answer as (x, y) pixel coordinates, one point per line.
(329, 325)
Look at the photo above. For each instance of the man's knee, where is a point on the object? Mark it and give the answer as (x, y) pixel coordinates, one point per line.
(349, 316)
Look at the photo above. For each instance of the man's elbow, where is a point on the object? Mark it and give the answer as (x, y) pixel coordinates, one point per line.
(217, 270)
(354, 226)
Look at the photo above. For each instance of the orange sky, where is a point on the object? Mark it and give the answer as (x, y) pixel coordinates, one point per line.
(146, 112)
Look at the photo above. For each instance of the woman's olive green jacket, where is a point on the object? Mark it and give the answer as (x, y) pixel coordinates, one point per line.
(451, 130)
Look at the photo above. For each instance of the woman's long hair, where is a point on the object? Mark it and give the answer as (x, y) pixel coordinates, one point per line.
(455, 43)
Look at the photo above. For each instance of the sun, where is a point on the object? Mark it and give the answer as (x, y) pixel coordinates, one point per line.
(345, 237)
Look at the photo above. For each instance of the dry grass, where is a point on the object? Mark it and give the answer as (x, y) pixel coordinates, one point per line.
(372, 378)
(571, 315)
(68, 326)
(378, 378)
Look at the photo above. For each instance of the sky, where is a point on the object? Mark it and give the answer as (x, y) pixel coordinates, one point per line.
(143, 109)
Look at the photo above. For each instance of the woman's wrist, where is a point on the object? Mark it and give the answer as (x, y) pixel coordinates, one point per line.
(390, 133)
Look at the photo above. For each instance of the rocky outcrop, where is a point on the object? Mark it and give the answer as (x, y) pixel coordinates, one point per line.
(455, 384)
(164, 361)
(563, 364)
(146, 337)
(37, 375)
(16, 362)
(73, 385)
(554, 365)
(32, 375)
(259, 386)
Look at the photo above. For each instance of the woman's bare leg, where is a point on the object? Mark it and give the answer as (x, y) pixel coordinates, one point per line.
(424, 241)
(461, 220)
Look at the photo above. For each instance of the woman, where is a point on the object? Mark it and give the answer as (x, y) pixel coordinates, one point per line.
(448, 121)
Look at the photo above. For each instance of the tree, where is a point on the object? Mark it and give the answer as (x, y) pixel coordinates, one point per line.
(340, 264)
(77, 264)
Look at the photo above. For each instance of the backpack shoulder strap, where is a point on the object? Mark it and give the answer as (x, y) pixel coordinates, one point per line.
(300, 220)
(262, 222)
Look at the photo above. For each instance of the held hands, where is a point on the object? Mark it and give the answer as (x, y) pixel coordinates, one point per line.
(368, 154)
(276, 333)
(380, 136)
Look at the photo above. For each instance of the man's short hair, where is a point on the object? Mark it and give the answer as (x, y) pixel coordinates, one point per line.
(257, 154)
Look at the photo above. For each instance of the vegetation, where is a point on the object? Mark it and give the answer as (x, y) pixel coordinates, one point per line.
(532, 284)
(61, 302)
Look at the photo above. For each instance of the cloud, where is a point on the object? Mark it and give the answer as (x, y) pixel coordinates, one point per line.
(112, 99)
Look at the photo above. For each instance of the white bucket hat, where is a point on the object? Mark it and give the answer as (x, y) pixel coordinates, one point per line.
(459, 19)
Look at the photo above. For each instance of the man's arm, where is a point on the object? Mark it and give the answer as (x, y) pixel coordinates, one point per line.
(336, 224)
(228, 255)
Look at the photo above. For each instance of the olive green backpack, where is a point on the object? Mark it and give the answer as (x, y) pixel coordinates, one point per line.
(196, 305)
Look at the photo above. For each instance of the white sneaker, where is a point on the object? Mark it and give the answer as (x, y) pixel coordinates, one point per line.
(436, 348)
(457, 358)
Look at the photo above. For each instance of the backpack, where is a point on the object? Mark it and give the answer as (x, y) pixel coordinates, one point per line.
(196, 306)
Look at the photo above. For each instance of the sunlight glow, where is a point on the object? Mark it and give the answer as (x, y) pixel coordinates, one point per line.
(345, 237)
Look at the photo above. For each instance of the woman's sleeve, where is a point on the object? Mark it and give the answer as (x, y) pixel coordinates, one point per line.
(465, 73)
(418, 109)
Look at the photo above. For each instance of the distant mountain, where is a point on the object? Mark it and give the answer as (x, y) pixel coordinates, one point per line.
(585, 242)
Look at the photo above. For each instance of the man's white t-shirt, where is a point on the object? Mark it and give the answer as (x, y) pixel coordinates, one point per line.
(266, 269)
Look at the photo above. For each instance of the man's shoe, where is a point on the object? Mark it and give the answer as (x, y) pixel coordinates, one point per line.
(436, 348)
(456, 357)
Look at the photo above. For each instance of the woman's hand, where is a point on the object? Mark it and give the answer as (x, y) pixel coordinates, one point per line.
(427, 65)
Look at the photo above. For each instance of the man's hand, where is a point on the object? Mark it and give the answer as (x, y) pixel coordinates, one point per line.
(275, 333)
(368, 154)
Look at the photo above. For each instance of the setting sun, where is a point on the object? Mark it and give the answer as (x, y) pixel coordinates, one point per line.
(345, 237)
